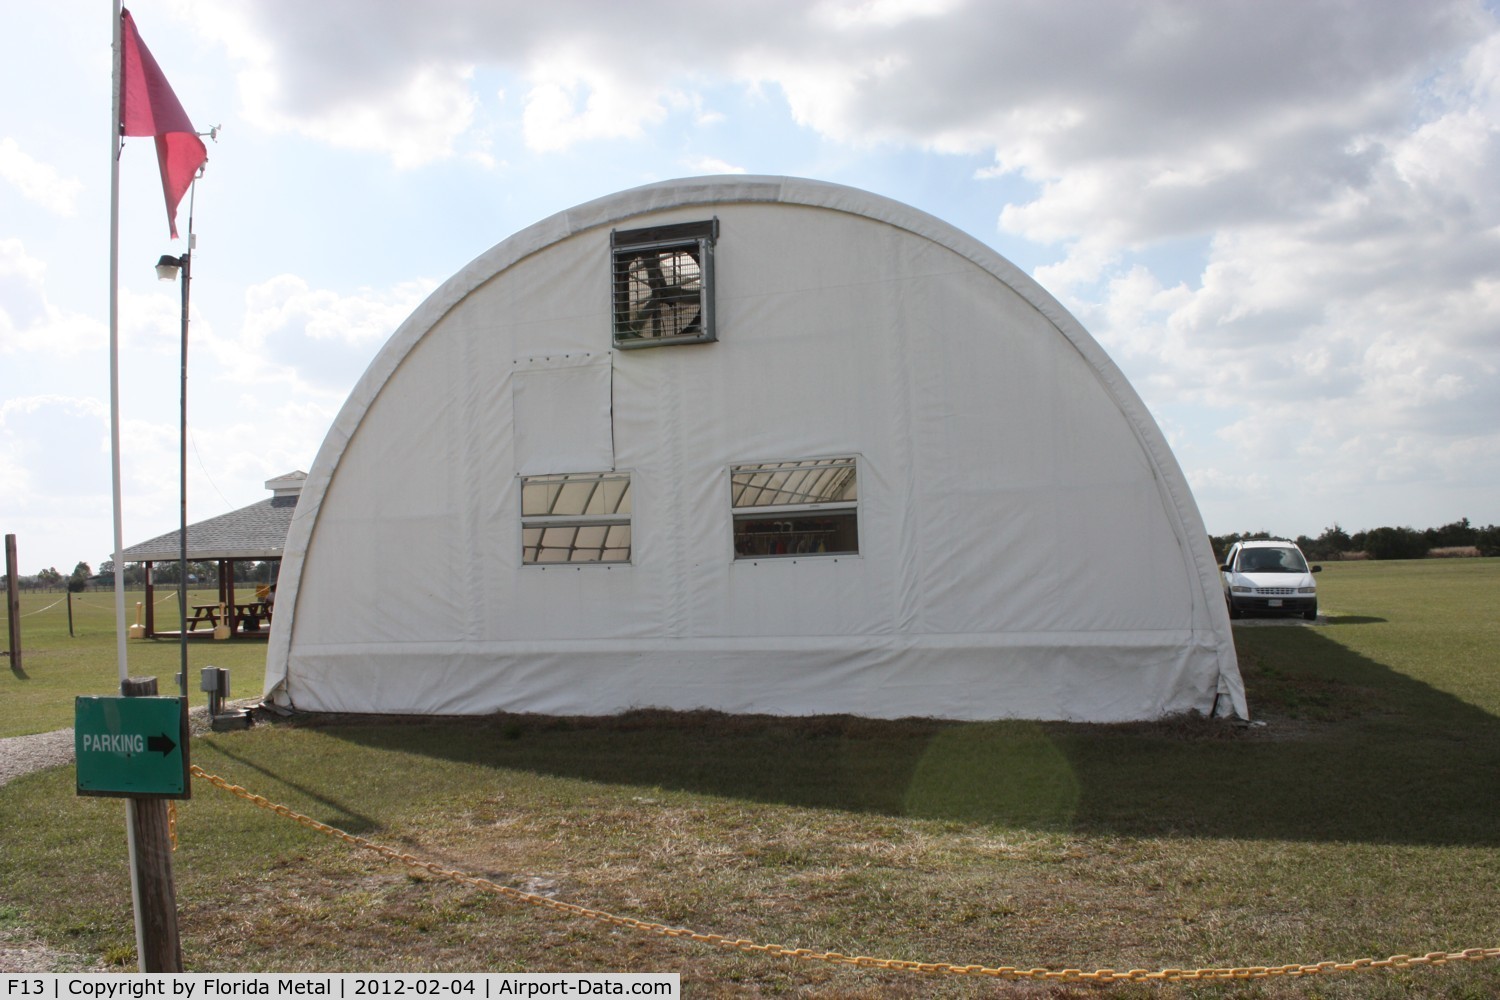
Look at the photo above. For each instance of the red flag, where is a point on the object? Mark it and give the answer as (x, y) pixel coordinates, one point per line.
(148, 107)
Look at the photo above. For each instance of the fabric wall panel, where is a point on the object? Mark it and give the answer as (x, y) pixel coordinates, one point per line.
(1110, 677)
(391, 553)
(562, 413)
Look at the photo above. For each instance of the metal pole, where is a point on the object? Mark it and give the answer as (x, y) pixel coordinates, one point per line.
(182, 602)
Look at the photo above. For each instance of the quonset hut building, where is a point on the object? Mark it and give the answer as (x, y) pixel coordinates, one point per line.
(754, 444)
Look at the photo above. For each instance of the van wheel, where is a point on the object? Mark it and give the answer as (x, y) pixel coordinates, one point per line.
(1234, 612)
(1311, 614)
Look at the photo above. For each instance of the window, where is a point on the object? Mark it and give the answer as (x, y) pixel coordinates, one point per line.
(803, 508)
(663, 284)
(575, 518)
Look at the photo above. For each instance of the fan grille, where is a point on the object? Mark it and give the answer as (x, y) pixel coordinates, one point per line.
(662, 283)
(659, 292)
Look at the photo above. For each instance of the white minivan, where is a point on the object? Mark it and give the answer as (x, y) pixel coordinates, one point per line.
(1269, 577)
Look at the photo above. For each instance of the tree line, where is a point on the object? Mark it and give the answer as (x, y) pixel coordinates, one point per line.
(200, 574)
(1457, 538)
(51, 579)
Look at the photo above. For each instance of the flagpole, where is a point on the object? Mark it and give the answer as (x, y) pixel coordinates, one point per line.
(114, 344)
(145, 105)
(114, 447)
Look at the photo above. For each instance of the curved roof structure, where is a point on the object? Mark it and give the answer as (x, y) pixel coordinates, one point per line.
(867, 465)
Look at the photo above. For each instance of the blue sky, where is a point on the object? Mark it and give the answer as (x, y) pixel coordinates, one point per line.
(1280, 219)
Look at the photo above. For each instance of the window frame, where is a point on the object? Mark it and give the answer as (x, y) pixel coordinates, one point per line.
(578, 521)
(697, 239)
(802, 527)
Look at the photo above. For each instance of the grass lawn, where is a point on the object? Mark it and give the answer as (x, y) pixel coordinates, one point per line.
(59, 667)
(1361, 820)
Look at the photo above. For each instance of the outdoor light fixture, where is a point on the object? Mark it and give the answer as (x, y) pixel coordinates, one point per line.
(167, 267)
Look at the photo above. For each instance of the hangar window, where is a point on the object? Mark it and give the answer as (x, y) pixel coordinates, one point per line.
(575, 518)
(662, 281)
(801, 508)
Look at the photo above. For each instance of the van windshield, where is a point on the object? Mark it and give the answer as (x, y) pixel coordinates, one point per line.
(1272, 560)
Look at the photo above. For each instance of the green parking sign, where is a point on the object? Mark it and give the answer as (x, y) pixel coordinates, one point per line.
(133, 747)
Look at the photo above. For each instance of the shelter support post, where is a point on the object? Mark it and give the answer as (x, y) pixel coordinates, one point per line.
(150, 603)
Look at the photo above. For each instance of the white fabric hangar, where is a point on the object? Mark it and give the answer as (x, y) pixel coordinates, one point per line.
(753, 444)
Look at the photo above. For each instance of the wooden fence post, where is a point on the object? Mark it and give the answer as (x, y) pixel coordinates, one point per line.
(13, 605)
(154, 892)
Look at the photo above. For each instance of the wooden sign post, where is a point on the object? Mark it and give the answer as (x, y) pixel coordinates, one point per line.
(136, 747)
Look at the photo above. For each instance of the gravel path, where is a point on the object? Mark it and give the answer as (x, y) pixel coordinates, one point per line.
(23, 754)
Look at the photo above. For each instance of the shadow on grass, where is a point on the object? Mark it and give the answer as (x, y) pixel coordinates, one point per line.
(345, 817)
(1344, 749)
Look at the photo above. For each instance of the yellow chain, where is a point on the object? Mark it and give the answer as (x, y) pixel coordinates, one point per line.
(895, 964)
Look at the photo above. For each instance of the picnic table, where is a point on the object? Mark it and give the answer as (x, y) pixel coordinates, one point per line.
(203, 613)
(248, 615)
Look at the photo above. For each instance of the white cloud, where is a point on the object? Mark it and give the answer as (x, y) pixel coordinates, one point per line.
(151, 323)
(846, 14)
(10, 409)
(711, 165)
(29, 321)
(22, 294)
(49, 447)
(37, 181)
(573, 100)
(411, 109)
(369, 317)
(415, 123)
(316, 338)
(1344, 326)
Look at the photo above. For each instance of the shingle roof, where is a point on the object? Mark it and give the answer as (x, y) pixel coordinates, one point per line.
(254, 532)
